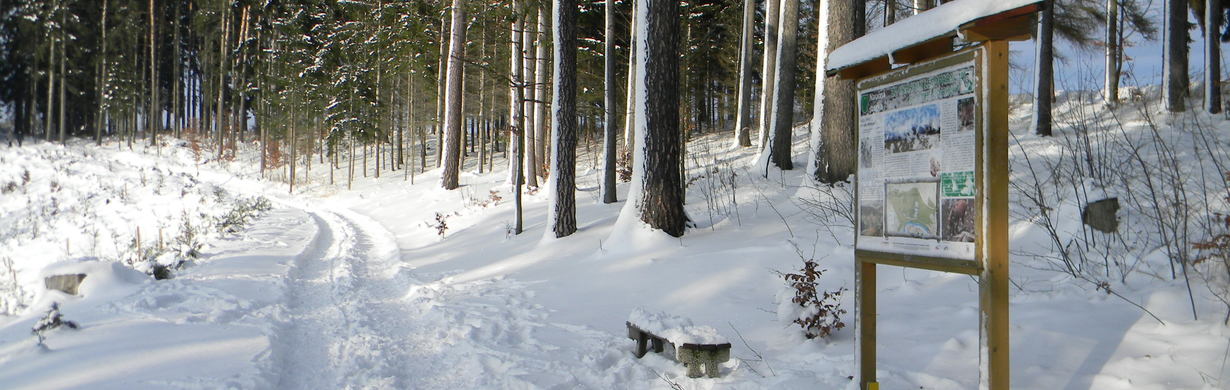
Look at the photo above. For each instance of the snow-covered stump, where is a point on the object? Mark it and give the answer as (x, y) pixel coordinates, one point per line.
(65, 283)
(700, 348)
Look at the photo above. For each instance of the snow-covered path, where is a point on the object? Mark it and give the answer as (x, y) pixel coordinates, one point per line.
(342, 327)
(357, 318)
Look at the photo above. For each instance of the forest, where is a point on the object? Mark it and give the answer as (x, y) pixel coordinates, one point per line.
(384, 160)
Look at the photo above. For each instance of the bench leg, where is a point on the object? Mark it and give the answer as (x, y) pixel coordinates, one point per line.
(641, 342)
(694, 369)
(711, 364)
(658, 343)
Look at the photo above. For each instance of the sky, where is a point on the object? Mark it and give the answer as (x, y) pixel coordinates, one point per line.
(1082, 69)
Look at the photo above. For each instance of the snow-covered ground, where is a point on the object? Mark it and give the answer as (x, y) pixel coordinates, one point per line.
(363, 288)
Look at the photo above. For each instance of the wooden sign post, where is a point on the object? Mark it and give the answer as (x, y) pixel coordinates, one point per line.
(932, 175)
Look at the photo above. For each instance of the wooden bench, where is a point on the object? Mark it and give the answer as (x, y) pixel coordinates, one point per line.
(644, 340)
(697, 347)
(709, 356)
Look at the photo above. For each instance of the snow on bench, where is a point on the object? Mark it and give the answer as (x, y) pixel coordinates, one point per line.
(694, 346)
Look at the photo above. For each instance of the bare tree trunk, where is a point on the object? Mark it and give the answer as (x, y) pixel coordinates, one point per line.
(608, 106)
(890, 12)
(540, 106)
(768, 69)
(103, 80)
(1212, 56)
(783, 98)
(1043, 80)
(743, 119)
(152, 116)
(290, 144)
(630, 106)
(453, 100)
(1174, 78)
(516, 87)
(440, 91)
(63, 74)
(921, 5)
(661, 203)
(176, 78)
(531, 106)
(350, 168)
(1110, 91)
(563, 210)
(220, 119)
(837, 120)
(51, 82)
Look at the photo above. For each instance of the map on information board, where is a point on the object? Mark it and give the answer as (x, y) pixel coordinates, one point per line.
(916, 164)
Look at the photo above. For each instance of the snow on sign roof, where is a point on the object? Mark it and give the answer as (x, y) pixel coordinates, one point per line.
(936, 22)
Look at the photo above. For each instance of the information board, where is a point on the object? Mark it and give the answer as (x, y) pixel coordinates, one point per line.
(918, 151)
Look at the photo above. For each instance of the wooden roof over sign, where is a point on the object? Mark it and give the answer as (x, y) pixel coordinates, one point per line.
(932, 34)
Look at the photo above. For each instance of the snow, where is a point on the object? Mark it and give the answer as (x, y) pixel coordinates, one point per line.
(337, 288)
(629, 229)
(935, 22)
(677, 329)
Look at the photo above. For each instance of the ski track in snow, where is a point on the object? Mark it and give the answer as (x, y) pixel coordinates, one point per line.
(356, 318)
(342, 325)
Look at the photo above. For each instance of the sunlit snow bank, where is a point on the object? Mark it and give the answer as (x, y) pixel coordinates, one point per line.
(60, 203)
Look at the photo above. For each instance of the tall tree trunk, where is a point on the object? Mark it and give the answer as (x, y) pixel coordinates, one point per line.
(1045, 71)
(890, 12)
(102, 80)
(1212, 56)
(540, 106)
(783, 99)
(440, 90)
(482, 103)
(516, 86)
(661, 197)
(532, 42)
(152, 117)
(743, 119)
(241, 101)
(837, 121)
(51, 82)
(608, 106)
(1174, 73)
(563, 210)
(176, 77)
(1110, 91)
(220, 117)
(630, 102)
(290, 144)
(381, 123)
(768, 69)
(921, 5)
(517, 118)
(63, 74)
